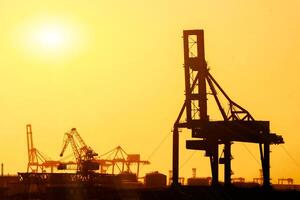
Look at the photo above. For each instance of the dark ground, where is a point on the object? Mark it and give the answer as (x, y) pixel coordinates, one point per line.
(180, 193)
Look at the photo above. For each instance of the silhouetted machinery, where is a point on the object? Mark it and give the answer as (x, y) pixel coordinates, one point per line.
(118, 161)
(237, 124)
(85, 155)
(37, 161)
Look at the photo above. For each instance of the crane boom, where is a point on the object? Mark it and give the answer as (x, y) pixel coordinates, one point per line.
(79, 138)
(75, 148)
(84, 154)
(69, 139)
(65, 145)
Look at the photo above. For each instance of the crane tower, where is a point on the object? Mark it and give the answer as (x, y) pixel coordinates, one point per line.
(37, 161)
(237, 123)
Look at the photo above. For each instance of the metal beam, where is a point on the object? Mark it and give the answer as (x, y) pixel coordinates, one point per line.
(227, 163)
(175, 156)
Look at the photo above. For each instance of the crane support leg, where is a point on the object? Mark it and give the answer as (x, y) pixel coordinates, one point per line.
(175, 156)
(215, 164)
(266, 165)
(227, 167)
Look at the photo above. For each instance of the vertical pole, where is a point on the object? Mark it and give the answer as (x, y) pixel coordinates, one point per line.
(113, 168)
(175, 156)
(187, 76)
(138, 169)
(227, 167)
(215, 163)
(261, 171)
(194, 172)
(128, 167)
(2, 169)
(202, 67)
(266, 165)
(170, 176)
(123, 166)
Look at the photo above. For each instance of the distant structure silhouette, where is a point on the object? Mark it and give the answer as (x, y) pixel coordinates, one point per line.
(37, 161)
(85, 155)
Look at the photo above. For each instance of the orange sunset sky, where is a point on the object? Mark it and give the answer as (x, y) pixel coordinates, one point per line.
(113, 70)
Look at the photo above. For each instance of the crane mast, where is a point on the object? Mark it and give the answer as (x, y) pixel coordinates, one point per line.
(37, 162)
(33, 154)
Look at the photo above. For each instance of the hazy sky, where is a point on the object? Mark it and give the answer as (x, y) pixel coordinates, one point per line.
(113, 70)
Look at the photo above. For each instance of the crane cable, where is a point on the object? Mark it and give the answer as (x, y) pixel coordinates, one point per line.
(158, 146)
(161, 143)
(284, 149)
(187, 160)
(248, 150)
(191, 156)
(290, 156)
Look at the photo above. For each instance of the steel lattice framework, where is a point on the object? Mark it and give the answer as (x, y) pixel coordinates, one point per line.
(237, 123)
(37, 161)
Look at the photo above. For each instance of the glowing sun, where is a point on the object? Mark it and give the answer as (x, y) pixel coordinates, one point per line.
(51, 37)
(55, 38)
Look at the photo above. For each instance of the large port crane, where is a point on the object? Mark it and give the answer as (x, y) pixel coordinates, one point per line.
(37, 161)
(118, 161)
(237, 123)
(84, 154)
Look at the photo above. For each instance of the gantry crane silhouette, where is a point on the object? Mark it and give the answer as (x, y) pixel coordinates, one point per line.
(237, 123)
(121, 162)
(87, 160)
(37, 161)
(85, 155)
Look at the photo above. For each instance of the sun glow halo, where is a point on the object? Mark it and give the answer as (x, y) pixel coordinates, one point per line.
(56, 39)
(51, 37)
